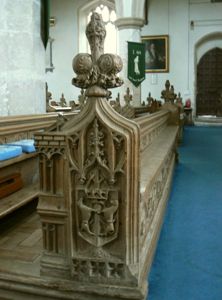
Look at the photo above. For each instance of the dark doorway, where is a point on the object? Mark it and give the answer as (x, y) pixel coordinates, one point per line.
(209, 84)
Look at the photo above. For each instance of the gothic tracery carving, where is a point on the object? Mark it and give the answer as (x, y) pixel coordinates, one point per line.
(97, 196)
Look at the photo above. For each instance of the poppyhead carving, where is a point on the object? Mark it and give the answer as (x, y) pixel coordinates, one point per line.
(97, 69)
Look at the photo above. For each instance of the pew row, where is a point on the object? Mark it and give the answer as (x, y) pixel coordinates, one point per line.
(14, 128)
(19, 176)
(104, 183)
(156, 170)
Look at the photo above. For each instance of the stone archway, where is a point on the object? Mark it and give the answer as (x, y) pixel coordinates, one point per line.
(209, 83)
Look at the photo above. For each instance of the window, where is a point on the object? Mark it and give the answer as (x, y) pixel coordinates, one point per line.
(107, 10)
(109, 17)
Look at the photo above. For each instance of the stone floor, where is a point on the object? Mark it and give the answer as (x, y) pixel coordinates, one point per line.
(208, 121)
(20, 251)
(21, 243)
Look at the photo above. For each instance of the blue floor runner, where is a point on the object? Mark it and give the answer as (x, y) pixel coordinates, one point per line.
(188, 260)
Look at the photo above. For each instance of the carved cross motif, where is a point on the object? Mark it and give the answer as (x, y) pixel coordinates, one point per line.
(97, 269)
(115, 270)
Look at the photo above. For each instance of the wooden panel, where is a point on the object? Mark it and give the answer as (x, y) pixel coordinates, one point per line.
(16, 200)
(10, 184)
(23, 127)
(15, 160)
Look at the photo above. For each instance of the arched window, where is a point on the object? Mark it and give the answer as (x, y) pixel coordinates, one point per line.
(107, 10)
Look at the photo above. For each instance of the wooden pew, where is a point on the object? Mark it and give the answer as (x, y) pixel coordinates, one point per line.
(159, 138)
(14, 128)
(27, 165)
(104, 192)
(129, 111)
(104, 184)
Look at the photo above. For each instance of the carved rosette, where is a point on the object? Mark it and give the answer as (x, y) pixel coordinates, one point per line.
(97, 171)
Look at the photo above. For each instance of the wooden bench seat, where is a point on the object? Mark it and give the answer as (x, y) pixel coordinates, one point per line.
(18, 199)
(27, 165)
(12, 130)
(155, 155)
(156, 165)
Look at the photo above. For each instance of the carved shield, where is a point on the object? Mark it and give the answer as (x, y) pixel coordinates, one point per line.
(97, 215)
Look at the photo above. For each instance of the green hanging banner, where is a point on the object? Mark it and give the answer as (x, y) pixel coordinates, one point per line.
(45, 16)
(136, 62)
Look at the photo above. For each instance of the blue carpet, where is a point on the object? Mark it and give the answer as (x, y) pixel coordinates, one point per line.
(188, 260)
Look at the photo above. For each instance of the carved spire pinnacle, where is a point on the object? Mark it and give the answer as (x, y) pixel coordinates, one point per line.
(98, 71)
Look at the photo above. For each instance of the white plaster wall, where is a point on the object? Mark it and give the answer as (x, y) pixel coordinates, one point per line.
(169, 18)
(65, 47)
(22, 82)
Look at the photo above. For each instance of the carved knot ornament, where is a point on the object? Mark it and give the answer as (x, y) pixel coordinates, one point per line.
(97, 69)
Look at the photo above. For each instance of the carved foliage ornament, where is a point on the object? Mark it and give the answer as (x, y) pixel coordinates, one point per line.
(97, 174)
(98, 68)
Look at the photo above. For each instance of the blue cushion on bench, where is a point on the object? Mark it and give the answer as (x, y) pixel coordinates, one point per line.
(7, 152)
(27, 145)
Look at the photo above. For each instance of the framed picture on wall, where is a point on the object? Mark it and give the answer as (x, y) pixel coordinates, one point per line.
(156, 53)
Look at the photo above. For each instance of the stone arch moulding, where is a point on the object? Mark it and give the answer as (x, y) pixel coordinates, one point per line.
(207, 43)
(82, 21)
(202, 46)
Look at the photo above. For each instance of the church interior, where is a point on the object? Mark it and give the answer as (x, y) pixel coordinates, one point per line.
(110, 138)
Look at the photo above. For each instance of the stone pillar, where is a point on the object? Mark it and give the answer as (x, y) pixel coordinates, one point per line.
(130, 19)
(22, 58)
